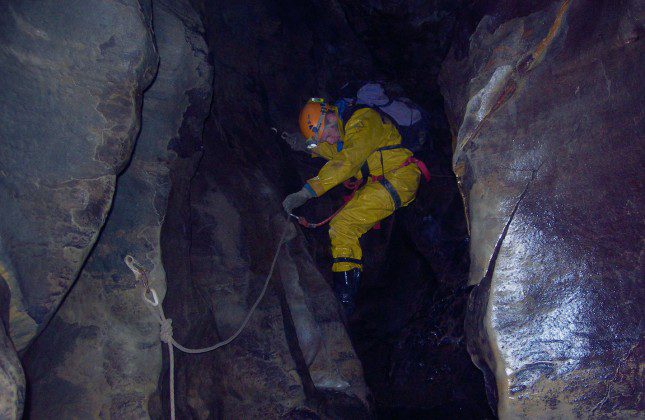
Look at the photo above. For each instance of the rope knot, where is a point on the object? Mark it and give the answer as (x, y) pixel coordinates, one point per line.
(165, 333)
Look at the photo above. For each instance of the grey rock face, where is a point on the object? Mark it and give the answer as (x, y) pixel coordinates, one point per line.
(319, 330)
(546, 113)
(102, 350)
(72, 80)
(295, 355)
(12, 379)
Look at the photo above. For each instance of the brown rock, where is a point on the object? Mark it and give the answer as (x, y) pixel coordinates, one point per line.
(546, 111)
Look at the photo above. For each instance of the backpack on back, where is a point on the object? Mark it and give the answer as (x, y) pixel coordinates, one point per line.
(410, 119)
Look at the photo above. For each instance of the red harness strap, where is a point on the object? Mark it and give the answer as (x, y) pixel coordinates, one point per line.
(354, 185)
(422, 166)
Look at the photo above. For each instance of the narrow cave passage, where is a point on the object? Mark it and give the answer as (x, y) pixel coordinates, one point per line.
(408, 328)
(142, 149)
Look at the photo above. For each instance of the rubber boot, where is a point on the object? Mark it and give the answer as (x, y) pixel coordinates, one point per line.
(346, 288)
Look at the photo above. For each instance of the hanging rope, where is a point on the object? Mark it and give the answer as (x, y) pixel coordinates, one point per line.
(151, 300)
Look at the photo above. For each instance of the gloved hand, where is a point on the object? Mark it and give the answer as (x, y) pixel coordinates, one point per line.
(296, 200)
(296, 141)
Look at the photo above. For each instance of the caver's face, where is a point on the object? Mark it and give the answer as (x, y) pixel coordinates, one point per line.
(331, 133)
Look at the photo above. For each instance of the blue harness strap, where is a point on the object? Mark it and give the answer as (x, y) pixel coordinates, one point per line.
(390, 189)
(396, 146)
(347, 259)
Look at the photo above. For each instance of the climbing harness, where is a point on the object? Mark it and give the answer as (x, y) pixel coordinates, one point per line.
(354, 185)
(151, 299)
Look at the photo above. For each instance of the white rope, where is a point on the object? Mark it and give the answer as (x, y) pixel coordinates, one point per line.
(165, 333)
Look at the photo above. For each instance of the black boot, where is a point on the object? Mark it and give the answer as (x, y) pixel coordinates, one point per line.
(346, 287)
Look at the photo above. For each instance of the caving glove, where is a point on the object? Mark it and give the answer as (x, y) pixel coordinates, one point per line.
(296, 199)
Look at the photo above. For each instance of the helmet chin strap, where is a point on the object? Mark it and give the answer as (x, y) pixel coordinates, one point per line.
(313, 141)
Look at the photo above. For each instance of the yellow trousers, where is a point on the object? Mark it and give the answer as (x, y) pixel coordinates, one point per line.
(371, 204)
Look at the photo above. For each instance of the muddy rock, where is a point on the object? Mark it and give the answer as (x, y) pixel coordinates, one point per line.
(545, 113)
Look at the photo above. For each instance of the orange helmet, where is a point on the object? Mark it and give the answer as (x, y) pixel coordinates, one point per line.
(312, 118)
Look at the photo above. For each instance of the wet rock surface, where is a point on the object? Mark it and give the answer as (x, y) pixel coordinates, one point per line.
(545, 112)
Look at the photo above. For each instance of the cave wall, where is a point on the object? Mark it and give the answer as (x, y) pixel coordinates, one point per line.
(408, 40)
(545, 113)
(72, 85)
(66, 81)
(101, 355)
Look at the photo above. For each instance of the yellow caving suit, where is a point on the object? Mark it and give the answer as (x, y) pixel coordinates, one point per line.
(364, 134)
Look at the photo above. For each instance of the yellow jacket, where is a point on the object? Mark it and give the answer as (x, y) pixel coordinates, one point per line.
(364, 133)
